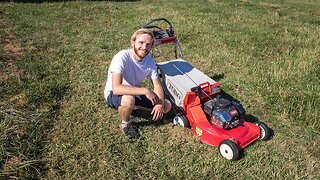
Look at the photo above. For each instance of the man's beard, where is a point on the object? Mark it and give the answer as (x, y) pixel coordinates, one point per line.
(136, 52)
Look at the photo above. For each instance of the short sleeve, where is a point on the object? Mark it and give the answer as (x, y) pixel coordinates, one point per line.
(117, 64)
(154, 73)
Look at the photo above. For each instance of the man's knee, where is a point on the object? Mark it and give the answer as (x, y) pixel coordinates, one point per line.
(128, 101)
(167, 106)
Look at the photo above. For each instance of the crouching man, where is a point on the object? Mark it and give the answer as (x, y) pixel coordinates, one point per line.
(123, 91)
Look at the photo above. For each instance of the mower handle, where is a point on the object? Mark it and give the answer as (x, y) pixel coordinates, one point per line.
(156, 19)
(149, 27)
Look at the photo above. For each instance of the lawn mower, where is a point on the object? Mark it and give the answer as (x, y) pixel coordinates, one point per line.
(198, 103)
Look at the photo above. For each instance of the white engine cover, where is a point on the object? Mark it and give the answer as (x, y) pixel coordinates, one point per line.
(179, 77)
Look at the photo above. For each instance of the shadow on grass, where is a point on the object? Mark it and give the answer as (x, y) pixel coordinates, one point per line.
(146, 118)
(217, 77)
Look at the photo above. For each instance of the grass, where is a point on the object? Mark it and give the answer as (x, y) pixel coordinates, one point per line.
(54, 123)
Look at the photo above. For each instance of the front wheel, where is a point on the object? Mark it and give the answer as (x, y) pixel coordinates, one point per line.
(229, 150)
(181, 120)
(265, 132)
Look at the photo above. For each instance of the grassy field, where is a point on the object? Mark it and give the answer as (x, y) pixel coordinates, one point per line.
(54, 123)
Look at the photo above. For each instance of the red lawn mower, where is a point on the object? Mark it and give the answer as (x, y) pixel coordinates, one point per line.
(198, 104)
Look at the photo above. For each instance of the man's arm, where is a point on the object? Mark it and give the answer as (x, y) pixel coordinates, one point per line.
(120, 89)
(158, 109)
(157, 88)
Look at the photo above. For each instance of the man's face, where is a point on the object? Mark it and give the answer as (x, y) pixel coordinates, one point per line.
(142, 45)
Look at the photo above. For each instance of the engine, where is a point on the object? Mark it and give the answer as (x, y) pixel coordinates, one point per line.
(224, 113)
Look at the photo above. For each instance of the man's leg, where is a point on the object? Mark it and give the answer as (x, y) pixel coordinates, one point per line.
(125, 110)
(126, 107)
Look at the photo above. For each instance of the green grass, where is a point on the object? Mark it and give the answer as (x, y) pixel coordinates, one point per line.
(54, 123)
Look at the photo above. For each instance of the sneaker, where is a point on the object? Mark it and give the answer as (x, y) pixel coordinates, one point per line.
(131, 131)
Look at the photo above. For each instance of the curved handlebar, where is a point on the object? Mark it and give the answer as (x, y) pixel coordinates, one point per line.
(157, 19)
(152, 27)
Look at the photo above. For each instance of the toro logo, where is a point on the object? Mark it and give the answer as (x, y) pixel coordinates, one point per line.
(173, 90)
(198, 131)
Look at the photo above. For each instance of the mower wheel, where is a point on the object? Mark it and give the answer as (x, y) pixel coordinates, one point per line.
(229, 150)
(265, 132)
(181, 120)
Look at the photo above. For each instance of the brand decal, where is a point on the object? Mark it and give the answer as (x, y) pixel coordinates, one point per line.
(198, 131)
(174, 91)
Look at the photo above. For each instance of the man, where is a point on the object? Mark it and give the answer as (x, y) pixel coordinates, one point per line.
(127, 70)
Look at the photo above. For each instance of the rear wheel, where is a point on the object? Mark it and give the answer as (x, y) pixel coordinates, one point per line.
(181, 120)
(229, 150)
(265, 132)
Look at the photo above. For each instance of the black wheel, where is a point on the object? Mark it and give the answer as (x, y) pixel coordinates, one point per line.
(265, 132)
(181, 120)
(229, 150)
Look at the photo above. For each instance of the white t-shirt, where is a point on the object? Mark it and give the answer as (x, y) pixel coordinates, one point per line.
(133, 72)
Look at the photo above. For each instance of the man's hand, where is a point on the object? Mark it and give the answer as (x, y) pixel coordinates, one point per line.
(157, 111)
(153, 97)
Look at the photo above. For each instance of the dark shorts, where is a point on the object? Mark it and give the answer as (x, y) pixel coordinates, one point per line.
(114, 101)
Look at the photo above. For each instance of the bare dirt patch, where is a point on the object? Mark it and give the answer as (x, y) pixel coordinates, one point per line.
(10, 52)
